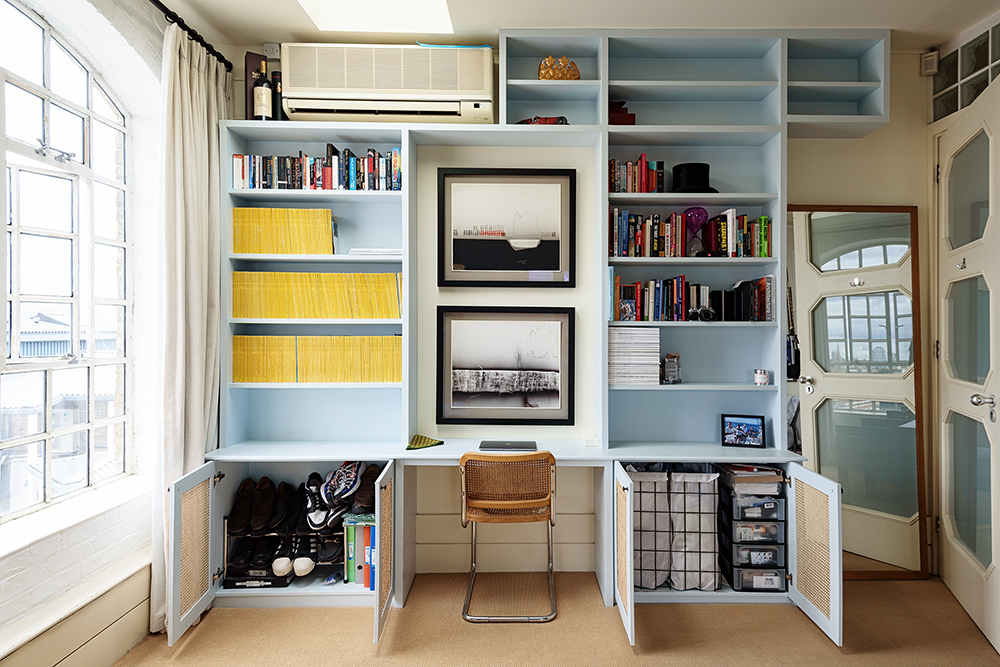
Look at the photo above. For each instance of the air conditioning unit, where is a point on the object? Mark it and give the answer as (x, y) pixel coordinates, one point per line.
(374, 82)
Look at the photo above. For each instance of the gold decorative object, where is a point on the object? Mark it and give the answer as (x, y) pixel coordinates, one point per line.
(558, 68)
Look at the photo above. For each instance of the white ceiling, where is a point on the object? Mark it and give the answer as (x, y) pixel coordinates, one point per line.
(916, 24)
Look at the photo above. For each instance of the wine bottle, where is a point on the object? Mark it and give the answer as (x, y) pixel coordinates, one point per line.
(262, 95)
(278, 110)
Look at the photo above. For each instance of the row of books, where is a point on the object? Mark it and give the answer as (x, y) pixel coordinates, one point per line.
(640, 175)
(340, 169)
(272, 294)
(678, 300)
(728, 234)
(633, 356)
(284, 231)
(317, 358)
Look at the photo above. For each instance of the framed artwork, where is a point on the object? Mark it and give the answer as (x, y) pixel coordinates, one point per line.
(504, 365)
(506, 227)
(743, 431)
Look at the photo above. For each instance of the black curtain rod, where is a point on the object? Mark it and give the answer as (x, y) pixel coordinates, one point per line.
(174, 18)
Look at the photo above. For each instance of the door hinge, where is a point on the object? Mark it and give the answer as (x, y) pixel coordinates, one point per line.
(217, 575)
(937, 349)
(789, 578)
(937, 525)
(218, 477)
(937, 173)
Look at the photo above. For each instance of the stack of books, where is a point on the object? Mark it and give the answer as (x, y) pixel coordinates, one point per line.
(268, 294)
(633, 356)
(317, 359)
(751, 479)
(283, 231)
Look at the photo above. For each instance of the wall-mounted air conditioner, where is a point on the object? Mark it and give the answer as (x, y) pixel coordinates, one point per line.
(373, 82)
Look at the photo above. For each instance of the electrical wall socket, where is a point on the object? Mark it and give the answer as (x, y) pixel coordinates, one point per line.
(272, 50)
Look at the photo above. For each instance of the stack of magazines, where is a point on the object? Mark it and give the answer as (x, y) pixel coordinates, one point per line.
(633, 356)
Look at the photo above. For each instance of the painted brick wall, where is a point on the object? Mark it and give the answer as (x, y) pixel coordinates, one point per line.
(44, 570)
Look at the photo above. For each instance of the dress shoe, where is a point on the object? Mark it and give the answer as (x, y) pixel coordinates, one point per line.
(239, 515)
(262, 509)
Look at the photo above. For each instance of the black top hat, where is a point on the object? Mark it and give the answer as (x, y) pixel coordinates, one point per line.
(691, 177)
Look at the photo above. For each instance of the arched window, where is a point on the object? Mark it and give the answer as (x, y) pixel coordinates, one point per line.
(63, 380)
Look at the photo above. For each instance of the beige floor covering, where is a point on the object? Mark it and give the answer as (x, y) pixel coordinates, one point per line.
(886, 623)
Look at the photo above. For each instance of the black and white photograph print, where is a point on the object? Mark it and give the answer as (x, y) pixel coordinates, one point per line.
(499, 365)
(506, 227)
(743, 430)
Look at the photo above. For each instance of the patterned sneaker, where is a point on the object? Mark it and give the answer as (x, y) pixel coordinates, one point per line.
(352, 481)
(316, 510)
(334, 480)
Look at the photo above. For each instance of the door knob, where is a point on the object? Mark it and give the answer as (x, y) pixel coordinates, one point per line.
(979, 400)
(805, 379)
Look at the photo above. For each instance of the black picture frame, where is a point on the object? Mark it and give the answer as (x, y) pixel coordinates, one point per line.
(495, 351)
(506, 227)
(743, 431)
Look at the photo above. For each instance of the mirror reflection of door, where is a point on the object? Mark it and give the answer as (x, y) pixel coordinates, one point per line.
(855, 308)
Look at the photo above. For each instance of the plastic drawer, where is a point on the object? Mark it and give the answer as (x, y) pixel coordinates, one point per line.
(769, 580)
(769, 532)
(754, 508)
(753, 555)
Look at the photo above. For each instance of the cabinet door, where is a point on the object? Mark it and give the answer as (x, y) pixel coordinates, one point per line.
(384, 552)
(624, 572)
(815, 560)
(191, 550)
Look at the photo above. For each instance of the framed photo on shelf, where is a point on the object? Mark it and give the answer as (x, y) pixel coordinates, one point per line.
(505, 365)
(743, 431)
(506, 227)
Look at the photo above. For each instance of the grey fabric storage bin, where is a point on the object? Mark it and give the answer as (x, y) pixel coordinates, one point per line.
(651, 528)
(694, 546)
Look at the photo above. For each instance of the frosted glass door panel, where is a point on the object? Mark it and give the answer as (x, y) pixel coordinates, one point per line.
(969, 192)
(969, 324)
(865, 333)
(869, 447)
(970, 513)
(856, 239)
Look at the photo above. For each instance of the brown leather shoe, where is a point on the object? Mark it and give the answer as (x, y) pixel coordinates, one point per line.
(364, 499)
(262, 509)
(239, 515)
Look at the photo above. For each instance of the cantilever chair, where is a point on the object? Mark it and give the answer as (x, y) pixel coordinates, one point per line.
(508, 488)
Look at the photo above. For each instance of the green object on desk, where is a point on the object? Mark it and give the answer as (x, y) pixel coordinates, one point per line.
(422, 441)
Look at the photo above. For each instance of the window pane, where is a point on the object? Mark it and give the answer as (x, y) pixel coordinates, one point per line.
(46, 330)
(22, 470)
(69, 463)
(22, 404)
(108, 333)
(20, 44)
(69, 78)
(109, 451)
(840, 235)
(971, 516)
(109, 272)
(23, 115)
(66, 132)
(969, 192)
(969, 325)
(108, 151)
(103, 106)
(46, 202)
(46, 266)
(70, 394)
(109, 391)
(109, 212)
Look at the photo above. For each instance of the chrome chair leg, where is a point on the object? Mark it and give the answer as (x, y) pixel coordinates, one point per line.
(509, 619)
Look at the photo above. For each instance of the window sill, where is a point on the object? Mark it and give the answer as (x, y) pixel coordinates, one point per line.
(20, 533)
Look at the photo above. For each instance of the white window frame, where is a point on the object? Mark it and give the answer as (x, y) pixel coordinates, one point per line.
(26, 157)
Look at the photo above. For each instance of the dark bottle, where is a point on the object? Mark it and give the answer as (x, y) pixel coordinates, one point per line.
(262, 95)
(278, 111)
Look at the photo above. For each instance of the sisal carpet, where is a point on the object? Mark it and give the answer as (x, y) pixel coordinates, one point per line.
(886, 623)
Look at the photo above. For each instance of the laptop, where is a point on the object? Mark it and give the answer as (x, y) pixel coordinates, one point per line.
(508, 446)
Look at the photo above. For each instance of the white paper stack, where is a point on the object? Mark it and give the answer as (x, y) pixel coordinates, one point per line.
(633, 356)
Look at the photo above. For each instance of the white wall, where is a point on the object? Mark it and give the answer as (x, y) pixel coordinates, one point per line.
(443, 545)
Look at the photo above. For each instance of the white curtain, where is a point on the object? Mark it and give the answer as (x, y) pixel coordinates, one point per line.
(197, 93)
